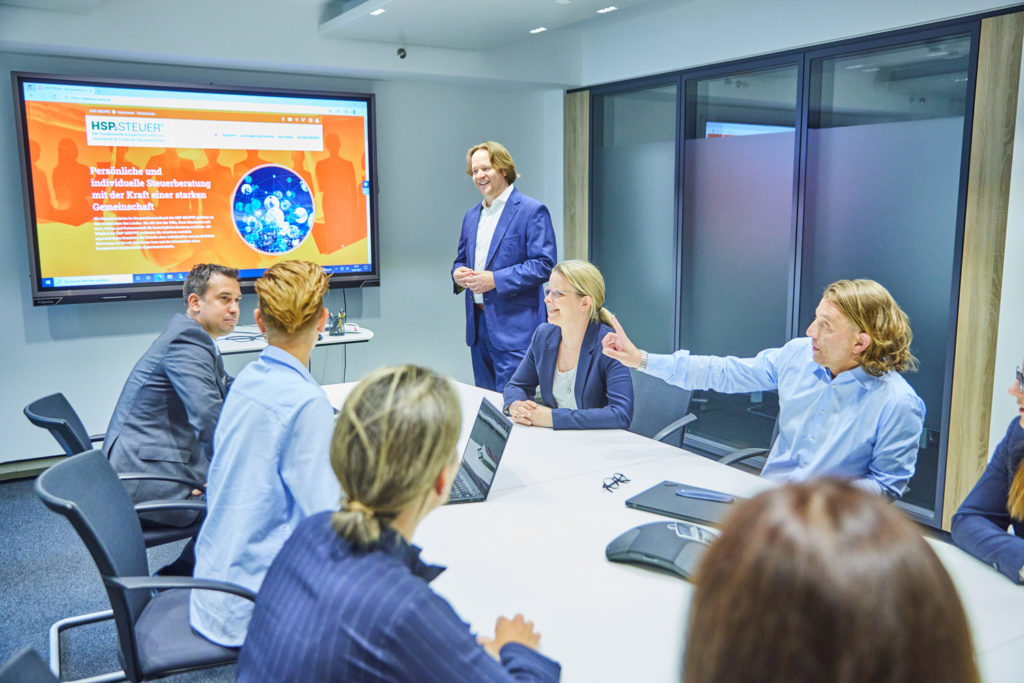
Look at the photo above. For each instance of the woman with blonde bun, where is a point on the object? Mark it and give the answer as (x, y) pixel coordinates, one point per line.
(348, 597)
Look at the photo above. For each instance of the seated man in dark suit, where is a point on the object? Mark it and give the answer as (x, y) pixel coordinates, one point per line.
(164, 419)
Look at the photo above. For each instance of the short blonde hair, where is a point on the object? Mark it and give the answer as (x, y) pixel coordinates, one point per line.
(587, 280)
(397, 430)
(872, 309)
(291, 295)
(500, 159)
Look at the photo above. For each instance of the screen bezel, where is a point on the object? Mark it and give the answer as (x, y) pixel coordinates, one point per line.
(159, 290)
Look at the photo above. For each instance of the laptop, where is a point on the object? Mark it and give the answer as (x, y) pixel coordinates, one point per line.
(483, 451)
(682, 501)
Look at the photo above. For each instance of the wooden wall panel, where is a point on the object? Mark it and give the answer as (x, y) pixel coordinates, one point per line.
(576, 230)
(988, 194)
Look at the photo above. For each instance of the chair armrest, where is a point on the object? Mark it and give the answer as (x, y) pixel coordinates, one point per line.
(674, 426)
(743, 454)
(97, 437)
(160, 505)
(161, 583)
(133, 476)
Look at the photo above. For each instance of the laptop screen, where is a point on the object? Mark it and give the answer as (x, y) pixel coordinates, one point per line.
(486, 444)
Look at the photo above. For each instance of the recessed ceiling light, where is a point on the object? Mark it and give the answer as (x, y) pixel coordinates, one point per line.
(606, 10)
(377, 12)
(539, 29)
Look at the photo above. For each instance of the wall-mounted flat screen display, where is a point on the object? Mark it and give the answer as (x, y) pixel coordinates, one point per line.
(129, 184)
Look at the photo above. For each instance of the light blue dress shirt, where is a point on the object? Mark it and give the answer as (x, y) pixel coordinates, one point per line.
(270, 470)
(854, 426)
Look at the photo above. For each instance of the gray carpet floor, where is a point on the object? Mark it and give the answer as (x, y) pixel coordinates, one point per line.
(46, 574)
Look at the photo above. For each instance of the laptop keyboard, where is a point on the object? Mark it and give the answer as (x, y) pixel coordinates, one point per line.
(461, 489)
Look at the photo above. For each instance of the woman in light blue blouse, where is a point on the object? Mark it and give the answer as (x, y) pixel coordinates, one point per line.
(580, 387)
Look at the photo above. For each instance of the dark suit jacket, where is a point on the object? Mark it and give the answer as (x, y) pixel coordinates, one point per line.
(521, 256)
(164, 419)
(980, 525)
(603, 390)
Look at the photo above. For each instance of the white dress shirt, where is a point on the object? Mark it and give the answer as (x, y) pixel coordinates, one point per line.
(489, 217)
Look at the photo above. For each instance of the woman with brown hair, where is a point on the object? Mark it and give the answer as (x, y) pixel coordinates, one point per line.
(348, 597)
(824, 582)
(997, 502)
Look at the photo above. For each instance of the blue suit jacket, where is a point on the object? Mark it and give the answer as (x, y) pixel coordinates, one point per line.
(164, 419)
(980, 525)
(604, 389)
(521, 256)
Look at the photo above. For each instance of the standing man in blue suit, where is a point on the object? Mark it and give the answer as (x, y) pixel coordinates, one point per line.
(506, 252)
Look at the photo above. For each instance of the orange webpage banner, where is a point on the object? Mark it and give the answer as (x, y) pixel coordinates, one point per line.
(131, 190)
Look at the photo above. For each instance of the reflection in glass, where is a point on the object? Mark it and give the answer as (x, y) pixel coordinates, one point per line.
(633, 210)
(737, 239)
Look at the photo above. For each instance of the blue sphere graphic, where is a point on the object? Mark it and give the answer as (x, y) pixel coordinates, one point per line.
(273, 209)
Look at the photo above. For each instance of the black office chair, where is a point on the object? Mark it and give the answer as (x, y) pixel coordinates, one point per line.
(55, 414)
(150, 612)
(659, 409)
(26, 666)
(744, 456)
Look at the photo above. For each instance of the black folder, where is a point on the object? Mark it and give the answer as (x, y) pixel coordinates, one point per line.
(663, 499)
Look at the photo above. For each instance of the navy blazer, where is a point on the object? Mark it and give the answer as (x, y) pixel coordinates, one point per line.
(164, 419)
(603, 390)
(980, 525)
(521, 256)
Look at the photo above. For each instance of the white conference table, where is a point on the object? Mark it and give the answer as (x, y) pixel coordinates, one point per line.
(537, 544)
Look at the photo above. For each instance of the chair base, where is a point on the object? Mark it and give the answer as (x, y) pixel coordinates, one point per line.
(55, 645)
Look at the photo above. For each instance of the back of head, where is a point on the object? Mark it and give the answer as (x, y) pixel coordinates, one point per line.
(291, 295)
(873, 310)
(397, 430)
(824, 582)
(198, 279)
(587, 280)
(500, 159)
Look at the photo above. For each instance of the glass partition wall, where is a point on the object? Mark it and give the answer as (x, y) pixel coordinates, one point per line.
(885, 144)
(738, 241)
(633, 208)
(725, 199)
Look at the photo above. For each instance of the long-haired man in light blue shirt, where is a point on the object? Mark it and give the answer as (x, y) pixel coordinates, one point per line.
(844, 409)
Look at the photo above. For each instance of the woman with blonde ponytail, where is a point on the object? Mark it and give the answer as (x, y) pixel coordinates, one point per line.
(580, 387)
(348, 597)
(996, 503)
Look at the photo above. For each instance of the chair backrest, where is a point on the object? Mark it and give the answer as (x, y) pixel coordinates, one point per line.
(26, 666)
(86, 490)
(55, 414)
(657, 403)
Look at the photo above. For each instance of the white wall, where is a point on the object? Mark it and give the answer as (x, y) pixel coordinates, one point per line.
(87, 350)
(272, 35)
